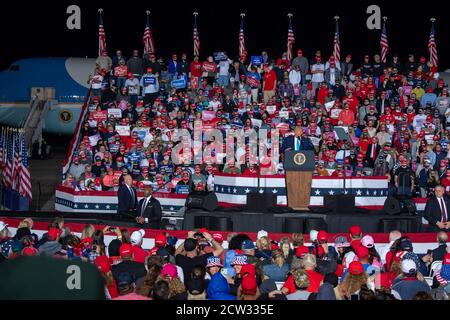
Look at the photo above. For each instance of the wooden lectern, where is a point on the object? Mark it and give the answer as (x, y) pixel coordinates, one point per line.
(299, 167)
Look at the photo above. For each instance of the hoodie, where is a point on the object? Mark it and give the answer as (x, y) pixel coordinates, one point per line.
(326, 292)
(218, 288)
(49, 248)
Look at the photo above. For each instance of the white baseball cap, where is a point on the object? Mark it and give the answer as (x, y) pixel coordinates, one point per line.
(408, 266)
(136, 236)
(313, 235)
(262, 233)
(3, 225)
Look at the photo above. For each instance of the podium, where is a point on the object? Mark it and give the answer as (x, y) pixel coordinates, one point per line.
(299, 167)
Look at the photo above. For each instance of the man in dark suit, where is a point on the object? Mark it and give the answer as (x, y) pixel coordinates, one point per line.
(127, 196)
(439, 253)
(372, 152)
(436, 211)
(297, 142)
(149, 210)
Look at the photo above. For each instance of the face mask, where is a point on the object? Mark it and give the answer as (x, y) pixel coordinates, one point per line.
(166, 158)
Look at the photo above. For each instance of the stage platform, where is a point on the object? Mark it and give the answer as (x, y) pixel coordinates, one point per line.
(303, 222)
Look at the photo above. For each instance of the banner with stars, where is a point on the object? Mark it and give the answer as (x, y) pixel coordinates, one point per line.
(370, 192)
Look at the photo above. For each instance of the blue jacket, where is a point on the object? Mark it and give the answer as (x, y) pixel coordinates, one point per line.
(289, 143)
(407, 288)
(172, 67)
(218, 288)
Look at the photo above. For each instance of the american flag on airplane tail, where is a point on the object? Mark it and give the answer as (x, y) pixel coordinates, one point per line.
(290, 41)
(25, 178)
(101, 36)
(196, 38)
(337, 44)
(384, 44)
(432, 47)
(149, 46)
(242, 49)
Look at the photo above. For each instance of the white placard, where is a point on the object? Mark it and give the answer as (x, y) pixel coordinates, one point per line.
(329, 105)
(284, 114)
(123, 130)
(115, 112)
(256, 123)
(271, 109)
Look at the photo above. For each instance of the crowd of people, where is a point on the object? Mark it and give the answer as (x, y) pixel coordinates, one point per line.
(361, 118)
(212, 266)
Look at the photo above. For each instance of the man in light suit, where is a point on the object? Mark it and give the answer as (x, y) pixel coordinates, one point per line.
(297, 142)
(149, 210)
(127, 196)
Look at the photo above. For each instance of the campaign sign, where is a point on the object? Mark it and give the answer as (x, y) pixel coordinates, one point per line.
(116, 113)
(271, 109)
(100, 116)
(329, 105)
(334, 114)
(284, 114)
(149, 81)
(256, 123)
(123, 130)
(183, 189)
(257, 60)
(220, 56)
(208, 115)
(179, 83)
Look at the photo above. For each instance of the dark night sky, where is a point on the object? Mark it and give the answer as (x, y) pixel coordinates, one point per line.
(39, 28)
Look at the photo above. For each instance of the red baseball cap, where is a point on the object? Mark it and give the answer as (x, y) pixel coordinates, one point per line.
(125, 250)
(446, 259)
(356, 268)
(160, 240)
(355, 230)
(53, 233)
(29, 251)
(218, 237)
(102, 262)
(322, 236)
(362, 252)
(249, 285)
(301, 250)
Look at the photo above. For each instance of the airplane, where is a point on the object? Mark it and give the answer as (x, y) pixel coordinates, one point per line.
(63, 80)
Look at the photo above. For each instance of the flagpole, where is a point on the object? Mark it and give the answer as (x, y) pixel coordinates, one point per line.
(383, 31)
(289, 44)
(196, 51)
(336, 19)
(433, 20)
(243, 35)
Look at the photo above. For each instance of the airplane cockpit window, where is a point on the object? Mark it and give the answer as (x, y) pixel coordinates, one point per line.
(14, 67)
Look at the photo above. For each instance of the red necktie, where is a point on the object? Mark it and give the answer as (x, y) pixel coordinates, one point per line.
(444, 210)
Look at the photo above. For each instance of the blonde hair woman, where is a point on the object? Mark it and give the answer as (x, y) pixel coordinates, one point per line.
(88, 231)
(355, 278)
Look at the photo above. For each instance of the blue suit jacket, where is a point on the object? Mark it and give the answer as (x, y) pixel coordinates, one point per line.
(289, 143)
(125, 201)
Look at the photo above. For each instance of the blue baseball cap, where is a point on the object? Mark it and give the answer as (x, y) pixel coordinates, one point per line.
(248, 245)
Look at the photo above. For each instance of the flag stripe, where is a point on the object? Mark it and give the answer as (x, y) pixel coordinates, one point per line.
(290, 41)
(384, 44)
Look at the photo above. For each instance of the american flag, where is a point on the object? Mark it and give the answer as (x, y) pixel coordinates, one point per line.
(290, 41)
(242, 49)
(101, 36)
(16, 166)
(25, 178)
(2, 140)
(337, 44)
(432, 47)
(384, 44)
(149, 46)
(9, 160)
(196, 37)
